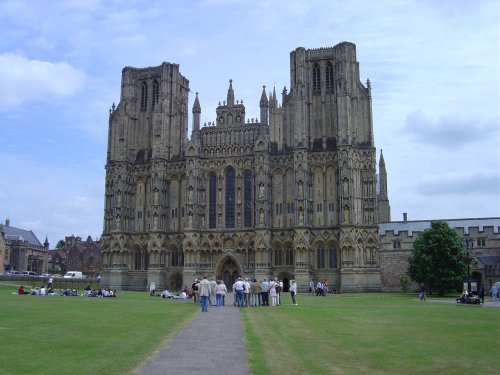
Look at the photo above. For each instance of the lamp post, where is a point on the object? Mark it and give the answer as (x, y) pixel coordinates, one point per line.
(467, 258)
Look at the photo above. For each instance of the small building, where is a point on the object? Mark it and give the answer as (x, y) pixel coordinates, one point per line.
(83, 256)
(23, 250)
(480, 235)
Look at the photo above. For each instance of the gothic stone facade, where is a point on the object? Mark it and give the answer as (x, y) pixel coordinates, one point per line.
(291, 195)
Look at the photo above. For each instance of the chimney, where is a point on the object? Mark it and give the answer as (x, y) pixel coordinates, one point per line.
(405, 217)
(7, 222)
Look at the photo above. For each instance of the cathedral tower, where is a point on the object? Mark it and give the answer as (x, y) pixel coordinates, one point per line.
(290, 194)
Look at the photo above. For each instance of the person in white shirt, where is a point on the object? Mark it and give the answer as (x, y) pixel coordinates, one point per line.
(293, 292)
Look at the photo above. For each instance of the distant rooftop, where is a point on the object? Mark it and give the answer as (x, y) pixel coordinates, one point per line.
(421, 225)
(17, 234)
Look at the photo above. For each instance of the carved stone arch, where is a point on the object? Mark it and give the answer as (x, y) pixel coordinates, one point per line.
(227, 267)
(175, 282)
(285, 277)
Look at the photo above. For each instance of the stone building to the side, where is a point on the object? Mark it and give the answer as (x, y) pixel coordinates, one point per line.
(78, 255)
(290, 195)
(481, 236)
(23, 251)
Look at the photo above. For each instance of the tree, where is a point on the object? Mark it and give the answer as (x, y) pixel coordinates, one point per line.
(437, 259)
(61, 244)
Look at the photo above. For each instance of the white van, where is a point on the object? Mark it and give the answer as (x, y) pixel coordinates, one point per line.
(73, 275)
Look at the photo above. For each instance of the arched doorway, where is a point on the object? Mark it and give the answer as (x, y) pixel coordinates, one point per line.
(175, 282)
(228, 270)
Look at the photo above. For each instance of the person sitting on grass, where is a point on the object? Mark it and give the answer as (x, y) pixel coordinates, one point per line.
(21, 290)
(166, 294)
(43, 291)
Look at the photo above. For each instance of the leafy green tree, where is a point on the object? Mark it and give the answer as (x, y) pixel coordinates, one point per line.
(404, 281)
(60, 244)
(438, 260)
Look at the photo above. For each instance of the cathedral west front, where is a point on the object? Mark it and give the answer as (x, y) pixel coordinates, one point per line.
(292, 195)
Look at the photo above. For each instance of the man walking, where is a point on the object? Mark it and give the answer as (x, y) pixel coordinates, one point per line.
(204, 291)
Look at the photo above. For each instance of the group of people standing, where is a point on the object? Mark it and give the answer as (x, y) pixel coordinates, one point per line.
(247, 292)
(319, 289)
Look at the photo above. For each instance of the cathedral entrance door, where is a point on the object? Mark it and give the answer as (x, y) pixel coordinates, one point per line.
(229, 272)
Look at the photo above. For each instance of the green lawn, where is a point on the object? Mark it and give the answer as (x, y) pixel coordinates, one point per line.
(78, 335)
(341, 334)
(372, 334)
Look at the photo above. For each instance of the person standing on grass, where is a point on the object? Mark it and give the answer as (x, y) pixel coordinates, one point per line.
(494, 293)
(204, 290)
(422, 293)
(246, 292)
(272, 293)
(319, 288)
(255, 289)
(265, 293)
(311, 287)
(238, 290)
(293, 292)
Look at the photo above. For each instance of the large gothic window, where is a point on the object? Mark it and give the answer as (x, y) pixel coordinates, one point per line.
(289, 256)
(137, 260)
(156, 93)
(248, 199)
(329, 77)
(177, 259)
(316, 78)
(332, 261)
(320, 257)
(230, 198)
(144, 95)
(212, 194)
(278, 257)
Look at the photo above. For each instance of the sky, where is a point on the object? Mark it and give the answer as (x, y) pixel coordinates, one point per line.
(433, 65)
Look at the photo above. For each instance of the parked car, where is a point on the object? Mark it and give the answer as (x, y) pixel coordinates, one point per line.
(45, 275)
(28, 273)
(74, 275)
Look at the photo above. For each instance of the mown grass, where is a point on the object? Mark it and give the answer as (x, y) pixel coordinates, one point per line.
(341, 334)
(372, 333)
(78, 335)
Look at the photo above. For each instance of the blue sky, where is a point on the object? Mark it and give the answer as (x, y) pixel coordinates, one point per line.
(434, 68)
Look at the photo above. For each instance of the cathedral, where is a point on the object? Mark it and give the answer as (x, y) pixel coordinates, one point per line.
(292, 195)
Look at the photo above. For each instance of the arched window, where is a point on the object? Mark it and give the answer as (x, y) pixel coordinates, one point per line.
(156, 93)
(316, 78)
(212, 204)
(329, 77)
(289, 257)
(177, 259)
(332, 261)
(230, 198)
(144, 95)
(137, 260)
(278, 259)
(247, 196)
(320, 257)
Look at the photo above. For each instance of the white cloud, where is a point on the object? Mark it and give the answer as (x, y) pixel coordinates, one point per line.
(24, 79)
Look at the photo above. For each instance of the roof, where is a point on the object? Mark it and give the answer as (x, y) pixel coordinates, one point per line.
(421, 225)
(18, 234)
(489, 260)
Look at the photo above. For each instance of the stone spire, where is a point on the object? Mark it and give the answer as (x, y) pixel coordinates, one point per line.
(264, 107)
(196, 114)
(384, 209)
(230, 94)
